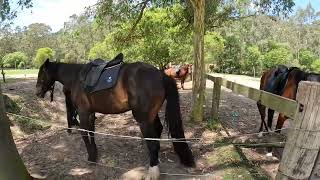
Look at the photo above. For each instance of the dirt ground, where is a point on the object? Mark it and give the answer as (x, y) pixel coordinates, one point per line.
(52, 153)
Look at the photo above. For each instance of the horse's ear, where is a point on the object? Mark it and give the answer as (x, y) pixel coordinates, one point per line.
(46, 62)
(119, 56)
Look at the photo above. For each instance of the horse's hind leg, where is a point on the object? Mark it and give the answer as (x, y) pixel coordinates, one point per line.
(281, 119)
(87, 123)
(151, 129)
(92, 119)
(182, 82)
(270, 117)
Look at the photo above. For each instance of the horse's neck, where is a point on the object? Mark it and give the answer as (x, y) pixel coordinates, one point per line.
(67, 74)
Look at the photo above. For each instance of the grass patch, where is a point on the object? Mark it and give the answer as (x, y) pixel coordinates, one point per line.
(10, 105)
(214, 125)
(237, 173)
(225, 155)
(30, 126)
(20, 71)
(230, 165)
(11, 80)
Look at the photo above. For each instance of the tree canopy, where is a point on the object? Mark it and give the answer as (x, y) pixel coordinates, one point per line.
(15, 60)
(42, 55)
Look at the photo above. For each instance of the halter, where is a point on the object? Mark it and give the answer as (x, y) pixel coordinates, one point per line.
(51, 89)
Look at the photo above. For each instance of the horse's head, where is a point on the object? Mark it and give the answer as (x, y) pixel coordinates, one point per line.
(45, 82)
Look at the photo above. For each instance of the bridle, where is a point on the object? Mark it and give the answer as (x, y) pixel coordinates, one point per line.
(51, 89)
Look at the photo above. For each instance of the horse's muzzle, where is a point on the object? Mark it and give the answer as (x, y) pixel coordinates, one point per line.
(40, 93)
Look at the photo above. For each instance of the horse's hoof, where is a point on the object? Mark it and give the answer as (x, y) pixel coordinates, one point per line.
(260, 134)
(153, 173)
(269, 154)
(69, 131)
(92, 159)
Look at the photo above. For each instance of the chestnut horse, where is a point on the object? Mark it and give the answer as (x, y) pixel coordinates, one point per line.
(140, 87)
(290, 90)
(272, 81)
(181, 73)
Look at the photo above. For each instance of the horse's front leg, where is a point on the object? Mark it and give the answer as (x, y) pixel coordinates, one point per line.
(71, 112)
(92, 119)
(86, 123)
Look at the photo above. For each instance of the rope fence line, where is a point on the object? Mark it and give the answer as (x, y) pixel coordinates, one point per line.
(131, 137)
(150, 139)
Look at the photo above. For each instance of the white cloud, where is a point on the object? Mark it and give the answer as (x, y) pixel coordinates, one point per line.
(52, 12)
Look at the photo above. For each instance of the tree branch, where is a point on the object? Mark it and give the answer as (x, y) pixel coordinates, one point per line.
(193, 3)
(242, 17)
(144, 5)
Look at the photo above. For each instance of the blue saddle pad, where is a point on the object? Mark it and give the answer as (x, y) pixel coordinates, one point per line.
(107, 79)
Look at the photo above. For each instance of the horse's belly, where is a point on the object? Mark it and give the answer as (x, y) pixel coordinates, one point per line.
(110, 102)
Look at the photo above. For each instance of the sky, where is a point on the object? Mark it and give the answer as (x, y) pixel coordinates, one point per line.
(303, 3)
(51, 12)
(55, 12)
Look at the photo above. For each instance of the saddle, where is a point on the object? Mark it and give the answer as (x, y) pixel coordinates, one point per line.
(99, 74)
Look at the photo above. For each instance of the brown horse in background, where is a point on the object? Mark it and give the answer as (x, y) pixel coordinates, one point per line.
(182, 73)
(290, 90)
(272, 81)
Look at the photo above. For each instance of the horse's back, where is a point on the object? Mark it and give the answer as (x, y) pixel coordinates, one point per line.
(141, 75)
(144, 86)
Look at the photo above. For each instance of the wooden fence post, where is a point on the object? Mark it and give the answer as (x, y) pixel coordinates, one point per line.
(303, 142)
(216, 98)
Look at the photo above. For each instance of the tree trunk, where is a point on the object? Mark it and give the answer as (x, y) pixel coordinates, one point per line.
(11, 165)
(198, 83)
(3, 74)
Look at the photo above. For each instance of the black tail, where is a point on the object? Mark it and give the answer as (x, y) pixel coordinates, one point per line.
(173, 119)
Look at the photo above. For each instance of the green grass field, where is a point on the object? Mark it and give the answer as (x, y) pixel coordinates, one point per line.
(20, 71)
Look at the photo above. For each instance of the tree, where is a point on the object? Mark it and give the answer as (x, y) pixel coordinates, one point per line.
(275, 57)
(210, 16)
(229, 61)
(158, 39)
(213, 46)
(35, 36)
(11, 165)
(7, 13)
(306, 59)
(42, 55)
(199, 81)
(316, 65)
(15, 60)
(252, 60)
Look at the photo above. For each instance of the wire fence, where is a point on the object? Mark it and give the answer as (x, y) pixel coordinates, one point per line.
(188, 140)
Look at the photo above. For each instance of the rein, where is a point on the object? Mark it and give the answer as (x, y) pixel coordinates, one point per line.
(51, 92)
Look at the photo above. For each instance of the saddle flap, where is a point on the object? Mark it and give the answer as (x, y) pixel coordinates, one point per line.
(108, 78)
(92, 72)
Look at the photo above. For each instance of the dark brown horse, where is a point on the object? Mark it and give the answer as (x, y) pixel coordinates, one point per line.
(272, 81)
(290, 90)
(181, 73)
(140, 87)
